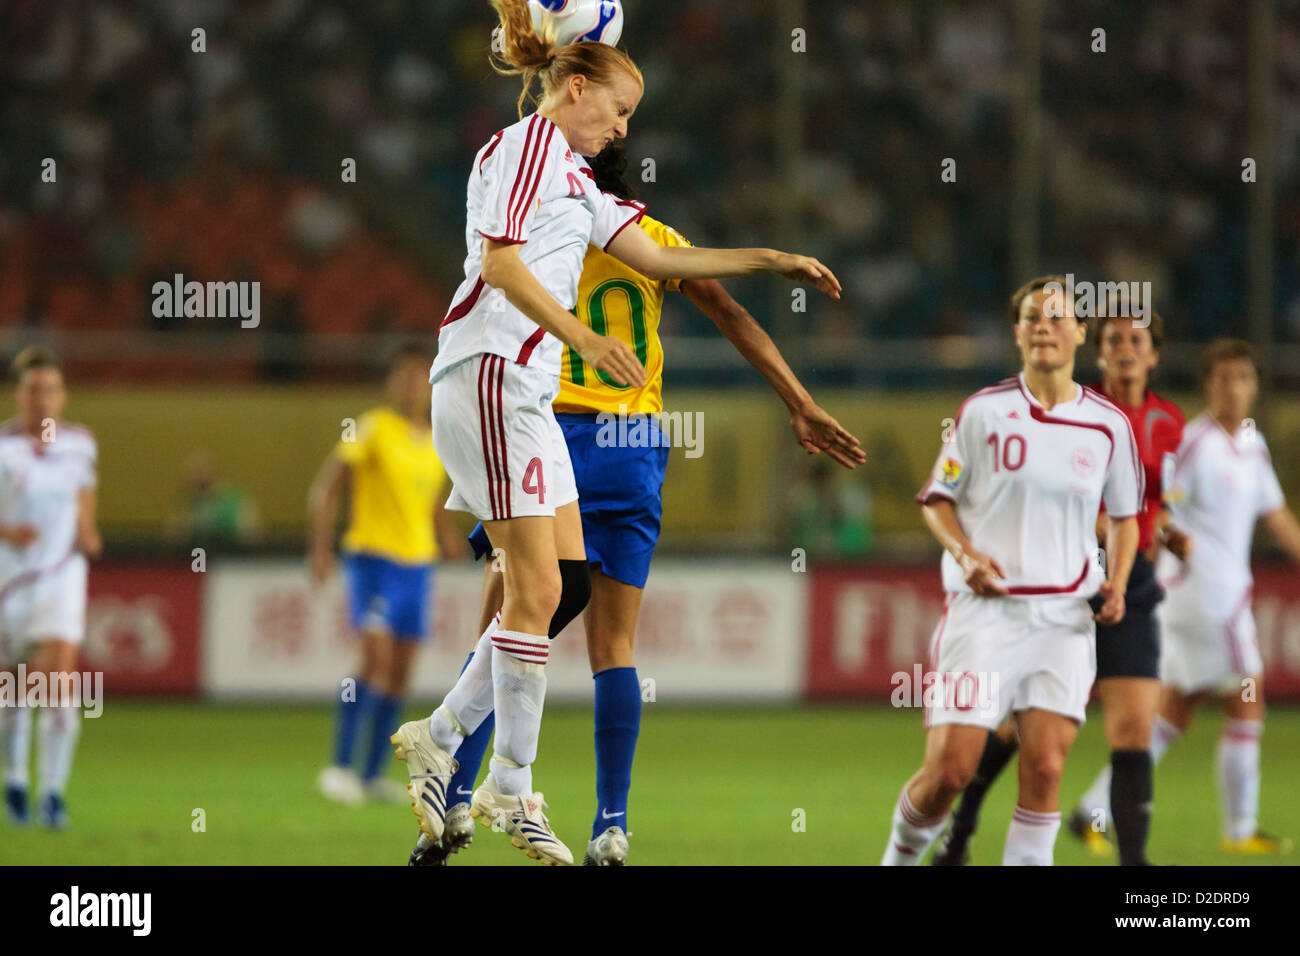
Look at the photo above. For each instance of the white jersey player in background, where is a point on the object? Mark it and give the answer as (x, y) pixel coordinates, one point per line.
(1223, 483)
(1014, 500)
(47, 530)
(532, 209)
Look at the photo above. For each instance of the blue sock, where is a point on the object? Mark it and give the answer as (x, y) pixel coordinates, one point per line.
(470, 757)
(352, 714)
(388, 715)
(618, 721)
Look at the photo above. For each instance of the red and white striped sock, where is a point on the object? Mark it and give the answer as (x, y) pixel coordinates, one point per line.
(1031, 837)
(911, 834)
(519, 685)
(529, 648)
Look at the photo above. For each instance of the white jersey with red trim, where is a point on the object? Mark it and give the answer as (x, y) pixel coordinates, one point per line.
(1222, 485)
(528, 187)
(39, 482)
(1027, 484)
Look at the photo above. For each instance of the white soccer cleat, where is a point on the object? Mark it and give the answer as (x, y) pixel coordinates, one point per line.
(458, 828)
(430, 769)
(341, 785)
(521, 818)
(384, 790)
(608, 849)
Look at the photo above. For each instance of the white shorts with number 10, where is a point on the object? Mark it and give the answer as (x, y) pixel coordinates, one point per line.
(495, 432)
(993, 656)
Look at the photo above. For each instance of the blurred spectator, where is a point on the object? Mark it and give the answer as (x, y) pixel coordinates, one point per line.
(830, 514)
(214, 512)
(229, 163)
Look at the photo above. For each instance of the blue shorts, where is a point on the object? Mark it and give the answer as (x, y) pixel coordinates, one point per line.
(391, 596)
(620, 496)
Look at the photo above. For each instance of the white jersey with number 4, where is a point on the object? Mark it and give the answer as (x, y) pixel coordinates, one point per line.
(1222, 485)
(1028, 483)
(528, 187)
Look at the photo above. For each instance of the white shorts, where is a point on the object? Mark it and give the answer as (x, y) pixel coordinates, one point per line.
(1207, 653)
(495, 432)
(43, 605)
(994, 656)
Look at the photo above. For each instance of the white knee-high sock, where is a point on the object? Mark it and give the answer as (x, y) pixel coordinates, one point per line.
(57, 729)
(16, 741)
(910, 834)
(470, 700)
(1163, 736)
(1030, 838)
(519, 679)
(1237, 766)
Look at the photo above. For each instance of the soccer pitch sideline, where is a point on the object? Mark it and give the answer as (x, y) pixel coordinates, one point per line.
(710, 787)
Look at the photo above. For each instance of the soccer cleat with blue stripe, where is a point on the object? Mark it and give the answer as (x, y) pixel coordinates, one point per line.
(16, 805)
(608, 849)
(521, 818)
(430, 769)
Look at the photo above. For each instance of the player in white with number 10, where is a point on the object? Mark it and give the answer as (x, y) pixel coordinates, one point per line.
(532, 209)
(47, 530)
(1014, 501)
(1223, 483)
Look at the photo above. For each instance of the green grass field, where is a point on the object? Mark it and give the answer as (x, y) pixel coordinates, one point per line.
(710, 787)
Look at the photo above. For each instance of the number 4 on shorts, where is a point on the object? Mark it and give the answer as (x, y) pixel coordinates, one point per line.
(533, 474)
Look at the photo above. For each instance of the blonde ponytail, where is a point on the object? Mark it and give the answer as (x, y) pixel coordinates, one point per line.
(522, 50)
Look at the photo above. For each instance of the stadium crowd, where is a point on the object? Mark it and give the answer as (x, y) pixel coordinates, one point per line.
(226, 164)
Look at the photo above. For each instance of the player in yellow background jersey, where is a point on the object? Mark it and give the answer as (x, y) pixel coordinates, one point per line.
(621, 502)
(396, 487)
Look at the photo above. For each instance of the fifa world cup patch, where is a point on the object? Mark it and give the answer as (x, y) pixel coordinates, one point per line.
(949, 472)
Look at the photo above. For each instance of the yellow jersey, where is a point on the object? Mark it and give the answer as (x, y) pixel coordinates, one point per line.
(396, 478)
(614, 299)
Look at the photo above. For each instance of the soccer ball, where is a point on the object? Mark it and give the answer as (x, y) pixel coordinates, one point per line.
(577, 20)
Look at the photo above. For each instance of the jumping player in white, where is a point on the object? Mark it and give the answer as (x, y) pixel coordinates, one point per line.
(1013, 501)
(1223, 483)
(47, 531)
(532, 209)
